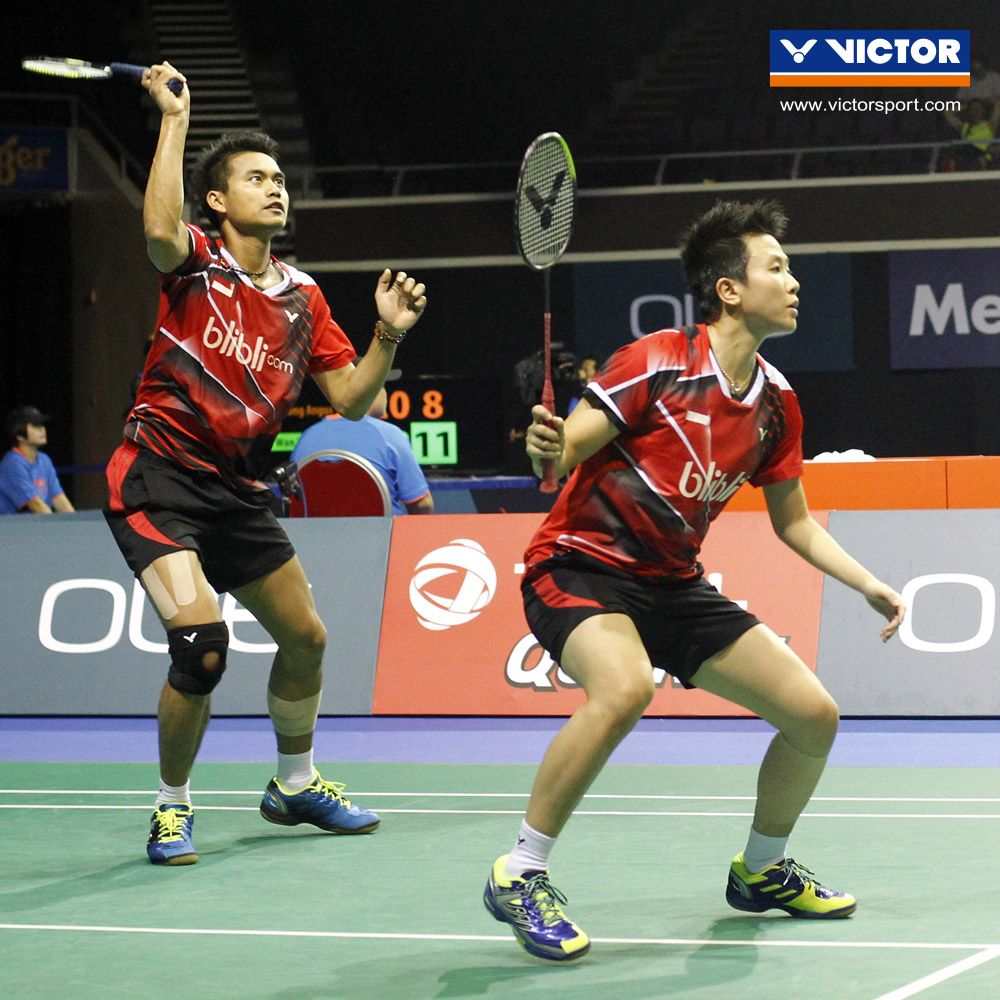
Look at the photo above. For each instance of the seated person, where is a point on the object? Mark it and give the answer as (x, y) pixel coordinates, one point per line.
(28, 480)
(383, 444)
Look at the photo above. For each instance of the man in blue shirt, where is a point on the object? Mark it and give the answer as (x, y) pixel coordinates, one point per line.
(28, 480)
(383, 444)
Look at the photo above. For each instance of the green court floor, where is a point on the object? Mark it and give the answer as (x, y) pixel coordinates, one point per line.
(289, 914)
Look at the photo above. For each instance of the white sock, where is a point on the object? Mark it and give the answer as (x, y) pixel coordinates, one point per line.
(295, 770)
(761, 852)
(174, 793)
(530, 852)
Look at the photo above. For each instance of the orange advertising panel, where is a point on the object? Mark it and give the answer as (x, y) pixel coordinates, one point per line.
(973, 481)
(886, 484)
(454, 640)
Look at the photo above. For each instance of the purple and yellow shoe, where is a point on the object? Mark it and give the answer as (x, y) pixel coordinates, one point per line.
(531, 906)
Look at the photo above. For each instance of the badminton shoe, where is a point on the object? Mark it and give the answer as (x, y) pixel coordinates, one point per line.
(786, 886)
(322, 804)
(530, 905)
(170, 835)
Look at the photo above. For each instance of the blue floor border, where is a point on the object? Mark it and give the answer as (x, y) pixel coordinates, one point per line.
(860, 742)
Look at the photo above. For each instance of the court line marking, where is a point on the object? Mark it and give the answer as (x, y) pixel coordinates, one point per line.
(518, 795)
(948, 972)
(389, 936)
(519, 812)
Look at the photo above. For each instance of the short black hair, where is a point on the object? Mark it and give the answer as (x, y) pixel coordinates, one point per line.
(210, 171)
(713, 247)
(16, 422)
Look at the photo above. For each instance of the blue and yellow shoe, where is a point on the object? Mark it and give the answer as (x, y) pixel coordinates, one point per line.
(170, 835)
(322, 803)
(531, 907)
(786, 886)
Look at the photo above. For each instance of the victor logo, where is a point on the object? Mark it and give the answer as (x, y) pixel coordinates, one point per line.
(798, 54)
(544, 206)
(231, 343)
(712, 485)
(840, 57)
(899, 50)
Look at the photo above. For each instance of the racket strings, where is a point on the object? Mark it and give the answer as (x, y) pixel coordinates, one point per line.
(546, 199)
(71, 69)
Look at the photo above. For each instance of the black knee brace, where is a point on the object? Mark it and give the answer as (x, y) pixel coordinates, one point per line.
(189, 648)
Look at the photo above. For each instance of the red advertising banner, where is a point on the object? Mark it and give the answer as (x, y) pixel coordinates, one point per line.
(454, 640)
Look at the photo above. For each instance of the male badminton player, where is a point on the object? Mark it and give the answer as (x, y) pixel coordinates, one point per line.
(237, 332)
(663, 436)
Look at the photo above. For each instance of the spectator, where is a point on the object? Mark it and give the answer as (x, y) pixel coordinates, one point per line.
(28, 480)
(588, 369)
(383, 444)
(529, 377)
(585, 372)
(977, 125)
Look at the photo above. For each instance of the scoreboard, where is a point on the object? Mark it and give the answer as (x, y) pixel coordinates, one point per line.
(454, 422)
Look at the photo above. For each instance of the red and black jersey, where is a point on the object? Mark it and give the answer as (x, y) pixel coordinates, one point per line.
(644, 502)
(228, 360)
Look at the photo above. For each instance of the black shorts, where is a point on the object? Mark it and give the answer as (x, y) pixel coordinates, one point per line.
(682, 622)
(157, 508)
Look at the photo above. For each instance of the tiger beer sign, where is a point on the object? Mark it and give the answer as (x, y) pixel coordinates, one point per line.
(455, 641)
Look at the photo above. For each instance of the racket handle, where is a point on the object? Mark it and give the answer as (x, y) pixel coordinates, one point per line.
(130, 69)
(550, 481)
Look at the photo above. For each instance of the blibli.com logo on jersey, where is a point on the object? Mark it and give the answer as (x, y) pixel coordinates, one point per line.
(711, 484)
(870, 58)
(231, 343)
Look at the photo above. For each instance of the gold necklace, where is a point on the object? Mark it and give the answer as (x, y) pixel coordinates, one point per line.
(735, 386)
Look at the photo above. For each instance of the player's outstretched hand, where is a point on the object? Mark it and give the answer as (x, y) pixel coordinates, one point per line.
(888, 604)
(546, 436)
(155, 80)
(400, 301)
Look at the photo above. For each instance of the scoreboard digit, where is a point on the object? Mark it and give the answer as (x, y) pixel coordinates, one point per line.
(434, 442)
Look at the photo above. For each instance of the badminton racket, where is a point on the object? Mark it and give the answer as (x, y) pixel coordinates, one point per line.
(543, 221)
(78, 69)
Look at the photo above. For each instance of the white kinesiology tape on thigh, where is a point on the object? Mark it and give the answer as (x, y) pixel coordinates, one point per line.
(181, 578)
(293, 718)
(177, 567)
(158, 594)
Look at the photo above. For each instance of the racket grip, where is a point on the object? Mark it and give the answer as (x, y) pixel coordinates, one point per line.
(549, 482)
(130, 69)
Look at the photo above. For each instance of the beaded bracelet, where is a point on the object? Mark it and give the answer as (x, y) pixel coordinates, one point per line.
(381, 333)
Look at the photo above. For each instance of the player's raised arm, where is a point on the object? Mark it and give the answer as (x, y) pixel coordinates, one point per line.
(167, 239)
(400, 302)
